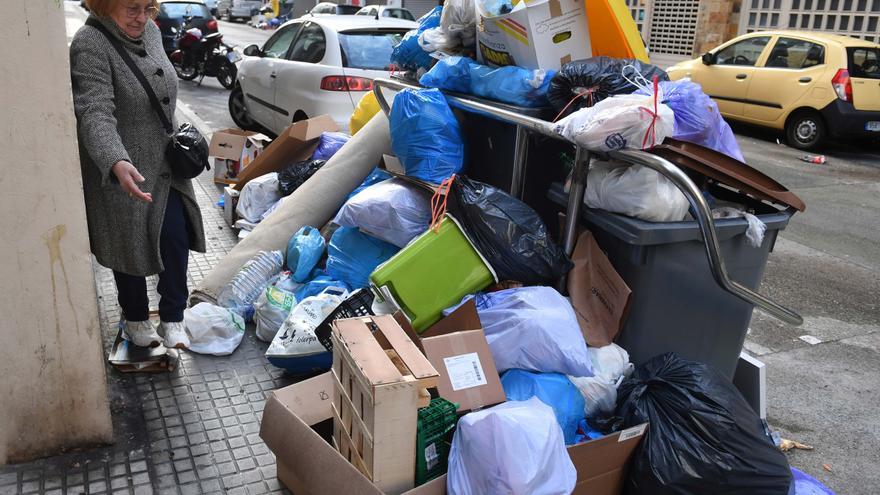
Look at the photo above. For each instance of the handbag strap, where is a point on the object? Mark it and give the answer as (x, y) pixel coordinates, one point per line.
(154, 100)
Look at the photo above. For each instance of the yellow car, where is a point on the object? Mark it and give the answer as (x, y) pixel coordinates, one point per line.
(810, 85)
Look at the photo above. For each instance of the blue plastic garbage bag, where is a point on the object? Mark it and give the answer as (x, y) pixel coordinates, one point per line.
(304, 250)
(329, 144)
(425, 135)
(318, 281)
(585, 432)
(532, 328)
(697, 119)
(352, 256)
(409, 54)
(804, 484)
(375, 177)
(510, 84)
(553, 389)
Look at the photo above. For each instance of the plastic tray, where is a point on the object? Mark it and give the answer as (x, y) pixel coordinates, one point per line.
(432, 447)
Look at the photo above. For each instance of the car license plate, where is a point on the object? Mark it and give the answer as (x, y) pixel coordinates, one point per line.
(235, 57)
(874, 125)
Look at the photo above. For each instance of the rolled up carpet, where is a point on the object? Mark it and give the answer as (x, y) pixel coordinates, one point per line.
(315, 203)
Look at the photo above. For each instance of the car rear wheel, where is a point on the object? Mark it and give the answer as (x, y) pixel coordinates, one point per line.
(238, 111)
(805, 130)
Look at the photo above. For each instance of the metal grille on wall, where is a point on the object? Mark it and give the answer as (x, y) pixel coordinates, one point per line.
(674, 26)
(420, 7)
(639, 9)
(855, 18)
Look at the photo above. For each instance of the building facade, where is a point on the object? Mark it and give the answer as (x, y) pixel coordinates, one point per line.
(856, 18)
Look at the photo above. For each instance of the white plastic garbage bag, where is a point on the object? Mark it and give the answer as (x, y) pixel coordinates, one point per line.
(393, 210)
(756, 229)
(459, 23)
(635, 191)
(212, 329)
(257, 196)
(623, 121)
(535, 329)
(610, 366)
(515, 448)
(296, 337)
(270, 310)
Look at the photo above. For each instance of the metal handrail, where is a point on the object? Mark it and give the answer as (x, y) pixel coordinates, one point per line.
(701, 208)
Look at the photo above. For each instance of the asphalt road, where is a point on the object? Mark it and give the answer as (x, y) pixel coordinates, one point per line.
(826, 266)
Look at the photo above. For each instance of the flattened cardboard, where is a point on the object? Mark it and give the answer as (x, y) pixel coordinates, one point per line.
(599, 295)
(309, 465)
(129, 358)
(233, 151)
(393, 166)
(295, 144)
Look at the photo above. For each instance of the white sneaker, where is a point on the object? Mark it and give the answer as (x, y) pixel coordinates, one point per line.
(142, 333)
(175, 334)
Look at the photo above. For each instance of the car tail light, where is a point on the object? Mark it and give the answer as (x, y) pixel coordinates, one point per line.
(211, 25)
(346, 83)
(842, 85)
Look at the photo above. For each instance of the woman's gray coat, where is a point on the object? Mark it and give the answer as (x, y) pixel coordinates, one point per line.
(116, 122)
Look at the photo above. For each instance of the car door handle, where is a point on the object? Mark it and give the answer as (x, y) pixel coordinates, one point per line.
(742, 76)
(805, 79)
(273, 75)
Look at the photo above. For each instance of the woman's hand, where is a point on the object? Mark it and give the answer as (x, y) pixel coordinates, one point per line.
(129, 178)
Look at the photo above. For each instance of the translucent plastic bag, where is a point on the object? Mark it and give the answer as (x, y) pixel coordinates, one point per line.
(394, 211)
(329, 144)
(553, 389)
(533, 328)
(697, 119)
(619, 122)
(304, 251)
(212, 329)
(459, 22)
(257, 196)
(510, 84)
(296, 337)
(635, 191)
(515, 448)
(270, 311)
(376, 176)
(425, 135)
(610, 366)
(352, 256)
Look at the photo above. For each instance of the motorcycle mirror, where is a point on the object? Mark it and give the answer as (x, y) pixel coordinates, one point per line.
(253, 51)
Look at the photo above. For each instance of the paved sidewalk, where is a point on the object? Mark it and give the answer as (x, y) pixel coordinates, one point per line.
(194, 430)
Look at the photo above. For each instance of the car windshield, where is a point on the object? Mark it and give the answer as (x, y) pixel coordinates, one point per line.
(347, 9)
(369, 50)
(398, 14)
(864, 62)
(181, 9)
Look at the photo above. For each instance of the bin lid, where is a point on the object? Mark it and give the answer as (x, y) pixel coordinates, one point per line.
(728, 171)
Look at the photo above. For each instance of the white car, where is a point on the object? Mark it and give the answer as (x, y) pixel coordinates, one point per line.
(313, 66)
(385, 11)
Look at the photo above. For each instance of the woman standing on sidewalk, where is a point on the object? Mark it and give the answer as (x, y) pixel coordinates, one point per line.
(142, 220)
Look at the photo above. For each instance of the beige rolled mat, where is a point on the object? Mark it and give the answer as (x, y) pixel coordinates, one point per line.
(314, 203)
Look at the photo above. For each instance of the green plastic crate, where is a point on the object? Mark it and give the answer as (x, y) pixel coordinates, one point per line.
(432, 273)
(432, 447)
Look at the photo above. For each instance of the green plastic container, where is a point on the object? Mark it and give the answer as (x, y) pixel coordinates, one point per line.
(432, 446)
(433, 272)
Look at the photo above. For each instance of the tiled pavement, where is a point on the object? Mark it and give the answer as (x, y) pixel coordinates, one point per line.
(193, 430)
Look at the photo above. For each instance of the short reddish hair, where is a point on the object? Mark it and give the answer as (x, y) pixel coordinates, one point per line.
(104, 8)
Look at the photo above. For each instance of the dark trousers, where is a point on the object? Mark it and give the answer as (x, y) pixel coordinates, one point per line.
(174, 248)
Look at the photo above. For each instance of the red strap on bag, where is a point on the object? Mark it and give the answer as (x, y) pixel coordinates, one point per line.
(438, 202)
(652, 127)
(587, 93)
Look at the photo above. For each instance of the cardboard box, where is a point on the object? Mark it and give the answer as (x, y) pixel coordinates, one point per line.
(295, 144)
(309, 465)
(457, 347)
(230, 202)
(599, 295)
(233, 150)
(544, 34)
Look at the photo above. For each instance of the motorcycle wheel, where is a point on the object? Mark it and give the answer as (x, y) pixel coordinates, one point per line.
(186, 72)
(226, 74)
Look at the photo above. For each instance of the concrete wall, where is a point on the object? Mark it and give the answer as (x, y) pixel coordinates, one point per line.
(718, 22)
(52, 385)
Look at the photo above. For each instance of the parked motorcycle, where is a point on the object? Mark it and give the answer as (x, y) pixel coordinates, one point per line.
(200, 56)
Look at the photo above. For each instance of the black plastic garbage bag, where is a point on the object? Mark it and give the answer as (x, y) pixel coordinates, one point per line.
(601, 76)
(703, 437)
(508, 233)
(296, 175)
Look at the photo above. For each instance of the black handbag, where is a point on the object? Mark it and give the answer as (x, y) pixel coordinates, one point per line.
(187, 152)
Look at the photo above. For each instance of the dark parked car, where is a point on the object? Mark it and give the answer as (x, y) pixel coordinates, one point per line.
(173, 14)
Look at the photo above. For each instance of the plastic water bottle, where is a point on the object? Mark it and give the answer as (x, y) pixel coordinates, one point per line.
(241, 292)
